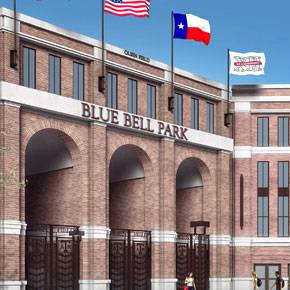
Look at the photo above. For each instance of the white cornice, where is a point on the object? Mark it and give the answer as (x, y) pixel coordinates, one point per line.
(241, 152)
(12, 227)
(261, 242)
(7, 24)
(163, 236)
(95, 232)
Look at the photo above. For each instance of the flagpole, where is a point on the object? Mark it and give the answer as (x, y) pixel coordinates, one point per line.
(171, 98)
(102, 77)
(227, 120)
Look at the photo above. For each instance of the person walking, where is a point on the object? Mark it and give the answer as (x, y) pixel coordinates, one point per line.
(279, 282)
(255, 281)
(189, 282)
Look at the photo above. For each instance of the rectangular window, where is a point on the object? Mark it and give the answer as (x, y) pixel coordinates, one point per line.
(283, 131)
(78, 81)
(210, 117)
(178, 109)
(112, 84)
(263, 131)
(283, 199)
(194, 113)
(267, 274)
(263, 199)
(54, 75)
(132, 96)
(151, 101)
(29, 64)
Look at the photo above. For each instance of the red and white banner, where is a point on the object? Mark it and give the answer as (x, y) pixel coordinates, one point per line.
(251, 63)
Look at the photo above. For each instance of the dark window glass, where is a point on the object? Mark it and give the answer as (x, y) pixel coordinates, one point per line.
(178, 109)
(210, 117)
(112, 80)
(283, 174)
(267, 274)
(151, 101)
(29, 67)
(54, 75)
(263, 216)
(263, 131)
(194, 113)
(78, 81)
(283, 131)
(132, 96)
(283, 216)
(263, 174)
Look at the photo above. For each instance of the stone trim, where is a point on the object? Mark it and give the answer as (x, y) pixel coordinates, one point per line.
(261, 242)
(242, 152)
(95, 232)
(163, 283)
(219, 240)
(94, 284)
(163, 236)
(12, 227)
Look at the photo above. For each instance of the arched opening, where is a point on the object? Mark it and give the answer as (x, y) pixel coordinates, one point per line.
(127, 188)
(130, 243)
(189, 191)
(52, 197)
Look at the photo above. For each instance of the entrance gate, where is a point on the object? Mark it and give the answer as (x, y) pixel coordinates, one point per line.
(130, 260)
(192, 255)
(52, 257)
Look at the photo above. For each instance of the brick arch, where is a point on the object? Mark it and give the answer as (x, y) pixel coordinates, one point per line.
(71, 140)
(141, 153)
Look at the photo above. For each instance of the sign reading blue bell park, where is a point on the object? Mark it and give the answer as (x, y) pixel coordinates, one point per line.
(123, 119)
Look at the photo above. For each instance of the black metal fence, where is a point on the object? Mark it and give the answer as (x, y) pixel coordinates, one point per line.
(52, 258)
(192, 255)
(130, 260)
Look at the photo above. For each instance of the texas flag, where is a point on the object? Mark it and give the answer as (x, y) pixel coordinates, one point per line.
(188, 26)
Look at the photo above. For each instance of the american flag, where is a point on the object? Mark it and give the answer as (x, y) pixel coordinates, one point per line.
(138, 8)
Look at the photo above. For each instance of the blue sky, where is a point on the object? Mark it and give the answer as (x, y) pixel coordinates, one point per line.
(247, 25)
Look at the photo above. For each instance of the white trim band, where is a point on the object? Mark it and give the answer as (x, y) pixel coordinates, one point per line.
(261, 242)
(93, 232)
(163, 284)
(241, 152)
(94, 284)
(163, 236)
(12, 227)
(219, 240)
(12, 285)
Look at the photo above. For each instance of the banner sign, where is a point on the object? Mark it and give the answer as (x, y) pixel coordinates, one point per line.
(251, 63)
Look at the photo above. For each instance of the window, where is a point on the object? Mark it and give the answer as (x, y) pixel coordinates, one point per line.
(54, 75)
(210, 117)
(132, 96)
(263, 131)
(263, 199)
(283, 131)
(29, 65)
(151, 101)
(283, 199)
(178, 109)
(78, 81)
(194, 113)
(112, 80)
(267, 274)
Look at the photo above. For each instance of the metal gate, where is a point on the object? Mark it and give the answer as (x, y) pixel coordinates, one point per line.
(192, 255)
(52, 257)
(130, 260)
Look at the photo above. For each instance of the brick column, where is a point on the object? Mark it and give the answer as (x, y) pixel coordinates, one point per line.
(163, 240)
(94, 245)
(12, 225)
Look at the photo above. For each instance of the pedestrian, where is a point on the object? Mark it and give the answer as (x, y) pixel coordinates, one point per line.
(279, 282)
(256, 281)
(189, 282)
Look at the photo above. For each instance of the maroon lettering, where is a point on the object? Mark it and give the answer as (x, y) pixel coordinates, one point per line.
(176, 132)
(103, 118)
(183, 131)
(114, 117)
(86, 110)
(160, 127)
(127, 121)
(135, 122)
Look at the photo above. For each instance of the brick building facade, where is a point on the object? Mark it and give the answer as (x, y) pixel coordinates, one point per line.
(98, 190)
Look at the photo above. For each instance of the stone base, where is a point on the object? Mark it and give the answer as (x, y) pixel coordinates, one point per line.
(163, 284)
(94, 284)
(13, 285)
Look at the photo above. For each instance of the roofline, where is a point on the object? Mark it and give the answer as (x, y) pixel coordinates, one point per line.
(256, 87)
(96, 43)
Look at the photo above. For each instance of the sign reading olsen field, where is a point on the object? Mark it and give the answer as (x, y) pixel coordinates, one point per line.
(155, 127)
(123, 119)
